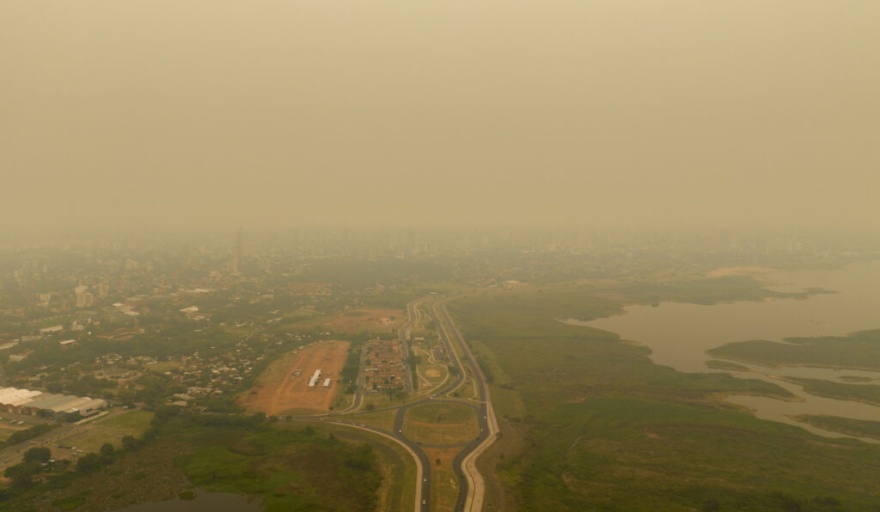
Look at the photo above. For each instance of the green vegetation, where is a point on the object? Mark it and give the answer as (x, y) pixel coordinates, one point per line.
(135, 421)
(289, 469)
(859, 350)
(849, 426)
(352, 366)
(869, 393)
(71, 503)
(594, 425)
(383, 419)
(117, 427)
(726, 365)
(397, 467)
(37, 462)
(22, 474)
(29, 433)
(710, 290)
(441, 423)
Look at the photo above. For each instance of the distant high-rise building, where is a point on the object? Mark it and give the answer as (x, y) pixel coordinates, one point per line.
(84, 299)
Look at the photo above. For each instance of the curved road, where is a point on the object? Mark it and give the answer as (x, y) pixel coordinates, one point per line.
(470, 496)
(471, 487)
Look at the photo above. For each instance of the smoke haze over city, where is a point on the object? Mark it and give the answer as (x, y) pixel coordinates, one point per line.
(389, 113)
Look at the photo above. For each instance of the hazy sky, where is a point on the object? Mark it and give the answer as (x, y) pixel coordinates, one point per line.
(439, 112)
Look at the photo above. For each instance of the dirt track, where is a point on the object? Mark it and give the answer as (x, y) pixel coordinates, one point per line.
(280, 390)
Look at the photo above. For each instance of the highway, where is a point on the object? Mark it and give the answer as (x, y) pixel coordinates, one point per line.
(471, 488)
(470, 496)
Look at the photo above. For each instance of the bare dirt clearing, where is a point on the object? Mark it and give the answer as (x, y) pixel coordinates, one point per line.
(284, 386)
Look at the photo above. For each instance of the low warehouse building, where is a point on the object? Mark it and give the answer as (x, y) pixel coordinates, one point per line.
(24, 401)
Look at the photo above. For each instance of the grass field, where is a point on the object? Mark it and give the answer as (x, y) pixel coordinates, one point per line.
(364, 320)
(133, 422)
(288, 466)
(592, 424)
(91, 436)
(441, 423)
(444, 485)
(380, 419)
(9, 424)
(291, 466)
(397, 492)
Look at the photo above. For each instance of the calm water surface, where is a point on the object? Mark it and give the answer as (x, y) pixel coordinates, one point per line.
(679, 334)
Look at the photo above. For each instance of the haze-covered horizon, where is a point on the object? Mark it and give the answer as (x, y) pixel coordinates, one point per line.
(276, 114)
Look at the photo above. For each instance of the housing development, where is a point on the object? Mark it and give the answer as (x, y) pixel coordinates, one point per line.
(386, 360)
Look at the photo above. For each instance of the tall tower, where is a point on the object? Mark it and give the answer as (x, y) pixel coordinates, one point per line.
(235, 262)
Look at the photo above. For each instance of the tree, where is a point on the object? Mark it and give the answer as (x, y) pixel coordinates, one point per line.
(107, 450)
(38, 454)
(129, 443)
(22, 474)
(88, 463)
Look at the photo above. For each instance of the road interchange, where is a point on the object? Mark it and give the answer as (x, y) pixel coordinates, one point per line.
(470, 482)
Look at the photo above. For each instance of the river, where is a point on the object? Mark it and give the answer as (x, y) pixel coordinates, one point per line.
(679, 334)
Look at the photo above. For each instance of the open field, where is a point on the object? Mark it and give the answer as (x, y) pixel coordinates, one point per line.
(589, 423)
(90, 436)
(283, 386)
(441, 423)
(381, 419)
(359, 320)
(9, 423)
(397, 493)
(7, 430)
(296, 468)
(290, 466)
(444, 485)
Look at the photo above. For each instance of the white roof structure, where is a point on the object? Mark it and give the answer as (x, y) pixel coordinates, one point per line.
(14, 397)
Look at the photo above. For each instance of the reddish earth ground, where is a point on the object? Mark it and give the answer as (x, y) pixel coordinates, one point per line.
(280, 390)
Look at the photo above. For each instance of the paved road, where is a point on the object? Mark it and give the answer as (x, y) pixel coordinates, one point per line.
(471, 489)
